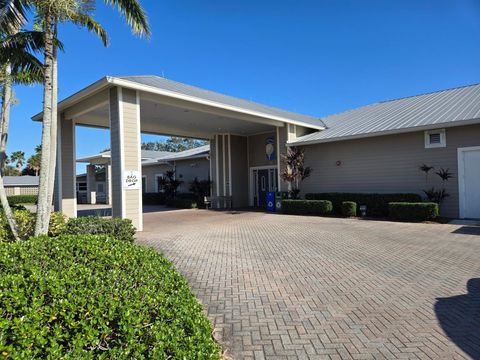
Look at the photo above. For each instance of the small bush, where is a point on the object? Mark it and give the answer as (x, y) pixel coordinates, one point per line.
(182, 203)
(306, 207)
(153, 199)
(22, 199)
(94, 297)
(121, 229)
(57, 225)
(413, 211)
(377, 204)
(349, 208)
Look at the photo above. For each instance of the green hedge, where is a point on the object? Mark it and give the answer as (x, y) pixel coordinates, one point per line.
(306, 207)
(182, 203)
(93, 297)
(121, 229)
(153, 198)
(349, 208)
(377, 204)
(22, 199)
(413, 211)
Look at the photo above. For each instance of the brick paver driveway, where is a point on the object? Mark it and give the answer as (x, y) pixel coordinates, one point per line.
(281, 287)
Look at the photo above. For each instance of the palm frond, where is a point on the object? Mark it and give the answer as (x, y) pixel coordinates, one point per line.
(31, 72)
(13, 14)
(85, 20)
(134, 15)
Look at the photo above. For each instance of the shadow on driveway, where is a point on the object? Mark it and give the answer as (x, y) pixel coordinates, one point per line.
(467, 230)
(459, 317)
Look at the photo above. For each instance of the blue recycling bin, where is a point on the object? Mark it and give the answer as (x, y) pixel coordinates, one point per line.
(270, 201)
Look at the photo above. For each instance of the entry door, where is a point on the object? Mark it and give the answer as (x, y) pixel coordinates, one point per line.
(265, 181)
(469, 172)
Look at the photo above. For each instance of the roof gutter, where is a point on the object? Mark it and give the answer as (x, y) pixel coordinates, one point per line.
(387, 132)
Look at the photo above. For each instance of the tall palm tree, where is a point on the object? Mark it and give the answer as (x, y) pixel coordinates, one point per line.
(18, 66)
(50, 13)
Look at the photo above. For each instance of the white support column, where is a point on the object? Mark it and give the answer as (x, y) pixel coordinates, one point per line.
(126, 155)
(66, 179)
(91, 185)
(108, 181)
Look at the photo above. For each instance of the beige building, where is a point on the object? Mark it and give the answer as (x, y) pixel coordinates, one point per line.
(21, 185)
(94, 187)
(376, 148)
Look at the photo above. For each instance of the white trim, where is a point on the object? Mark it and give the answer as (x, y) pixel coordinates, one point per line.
(121, 133)
(224, 172)
(229, 165)
(278, 159)
(248, 163)
(74, 155)
(58, 174)
(217, 173)
(139, 151)
(193, 99)
(251, 180)
(461, 178)
(210, 175)
(443, 138)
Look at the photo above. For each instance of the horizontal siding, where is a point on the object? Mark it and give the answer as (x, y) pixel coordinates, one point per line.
(257, 156)
(388, 164)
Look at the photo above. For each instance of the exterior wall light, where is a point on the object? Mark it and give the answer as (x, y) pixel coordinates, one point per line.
(363, 210)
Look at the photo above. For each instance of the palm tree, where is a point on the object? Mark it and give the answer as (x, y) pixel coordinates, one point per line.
(18, 157)
(33, 162)
(18, 66)
(50, 13)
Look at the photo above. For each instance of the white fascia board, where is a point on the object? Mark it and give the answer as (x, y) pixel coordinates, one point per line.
(387, 132)
(78, 96)
(154, 90)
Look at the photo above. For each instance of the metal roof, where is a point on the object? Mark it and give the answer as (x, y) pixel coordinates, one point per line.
(153, 157)
(445, 108)
(188, 90)
(20, 180)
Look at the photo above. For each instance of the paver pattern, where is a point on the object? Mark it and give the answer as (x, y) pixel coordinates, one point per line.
(287, 287)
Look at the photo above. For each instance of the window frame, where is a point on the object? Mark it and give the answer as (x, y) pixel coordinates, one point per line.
(443, 139)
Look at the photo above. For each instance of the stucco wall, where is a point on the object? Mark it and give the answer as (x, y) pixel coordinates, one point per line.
(388, 164)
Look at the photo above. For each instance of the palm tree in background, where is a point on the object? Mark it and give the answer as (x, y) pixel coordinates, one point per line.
(33, 162)
(18, 157)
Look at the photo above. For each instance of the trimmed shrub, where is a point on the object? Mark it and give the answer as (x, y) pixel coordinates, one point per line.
(57, 225)
(422, 211)
(349, 208)
(120, 229)
(153, 199)
(94, 297)
(182, 203)
(22, 199)
(377, 204)
(306, 207)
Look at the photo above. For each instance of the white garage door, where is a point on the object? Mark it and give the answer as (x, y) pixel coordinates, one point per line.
(469, 182)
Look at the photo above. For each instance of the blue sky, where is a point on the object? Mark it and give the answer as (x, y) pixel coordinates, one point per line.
(313, 57)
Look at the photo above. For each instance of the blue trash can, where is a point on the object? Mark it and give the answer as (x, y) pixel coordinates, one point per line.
(270, 201)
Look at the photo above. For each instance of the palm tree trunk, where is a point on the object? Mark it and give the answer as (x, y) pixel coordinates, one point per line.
(43, 206)
(6, 100)
(53, 136)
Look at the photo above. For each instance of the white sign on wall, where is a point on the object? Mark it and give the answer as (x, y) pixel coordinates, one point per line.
(132, 180)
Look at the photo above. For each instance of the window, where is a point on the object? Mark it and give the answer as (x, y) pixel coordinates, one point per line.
(81, 186)
(263, 183)
(158, 184)
(435, 138)
(101, 188)
(144, 184)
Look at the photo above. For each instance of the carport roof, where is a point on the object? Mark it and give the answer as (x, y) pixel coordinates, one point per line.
(156, 84)
(445, 108)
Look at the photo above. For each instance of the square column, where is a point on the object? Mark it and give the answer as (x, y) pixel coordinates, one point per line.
(91, 185)
(108, 181)
(65, 199)
(126, 155)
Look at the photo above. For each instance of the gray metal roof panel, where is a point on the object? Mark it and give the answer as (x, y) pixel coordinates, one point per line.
(442, 108)
(20, 180)
(184, 89)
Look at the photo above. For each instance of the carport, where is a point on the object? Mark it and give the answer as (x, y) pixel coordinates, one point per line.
(129, 106)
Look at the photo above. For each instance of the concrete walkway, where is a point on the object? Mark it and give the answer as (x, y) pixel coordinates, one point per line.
(286, 287)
